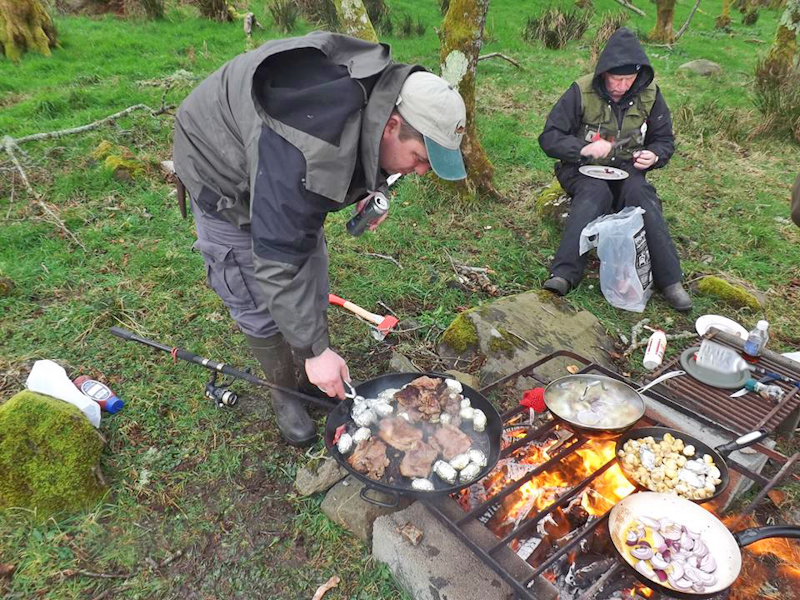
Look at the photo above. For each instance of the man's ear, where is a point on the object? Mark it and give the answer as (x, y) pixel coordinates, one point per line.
(392, 125)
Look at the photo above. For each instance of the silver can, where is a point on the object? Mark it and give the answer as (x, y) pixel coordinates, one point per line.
(377, 206)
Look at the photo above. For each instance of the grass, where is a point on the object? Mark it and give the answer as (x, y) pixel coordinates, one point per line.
(217, 484)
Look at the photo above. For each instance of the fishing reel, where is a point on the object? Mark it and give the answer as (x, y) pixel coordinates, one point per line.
(220, 394)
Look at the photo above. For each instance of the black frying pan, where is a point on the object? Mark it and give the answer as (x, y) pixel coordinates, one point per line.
(392, 483)
(722, 544)
(718, 454)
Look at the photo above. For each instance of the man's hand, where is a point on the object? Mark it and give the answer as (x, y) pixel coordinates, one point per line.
(327, 371)
(598, 149)
(644, 159)
(360, 206)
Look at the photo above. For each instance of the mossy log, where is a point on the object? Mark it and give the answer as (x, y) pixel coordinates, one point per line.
(733, 295)
(25, 26)
(354, 20)
(461, 41)
(782, 53)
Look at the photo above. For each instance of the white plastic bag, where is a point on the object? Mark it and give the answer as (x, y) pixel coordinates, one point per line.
(50, 378)
(625, 276)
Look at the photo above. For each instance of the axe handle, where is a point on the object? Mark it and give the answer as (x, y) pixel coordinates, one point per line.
(354, 308)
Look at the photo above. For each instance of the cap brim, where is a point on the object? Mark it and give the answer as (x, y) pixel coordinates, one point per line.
(446, 163)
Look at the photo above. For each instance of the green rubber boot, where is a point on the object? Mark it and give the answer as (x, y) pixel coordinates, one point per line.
(275, 357)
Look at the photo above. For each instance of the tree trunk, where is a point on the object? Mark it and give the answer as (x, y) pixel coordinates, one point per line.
(663, 32)
(785, 45)
(724, 18)
(25, 25)
(354, 20)
(462, 38)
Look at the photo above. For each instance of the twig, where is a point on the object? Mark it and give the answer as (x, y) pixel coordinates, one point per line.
(83, 573)
(11, 199)
(473, 269)
(688, 20)
(499, 55)
(629, 6)
(387, 308)
(82, 128)
(519, 337)
(384, 256)
(128, 584)
(670, 336)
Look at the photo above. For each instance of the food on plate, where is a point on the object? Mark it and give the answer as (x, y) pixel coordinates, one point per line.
(592, 402)
(369, 458)
(667, 466)
(670, 554)
(399, 433)
(450, 441)
(418, 460)
(421, 398)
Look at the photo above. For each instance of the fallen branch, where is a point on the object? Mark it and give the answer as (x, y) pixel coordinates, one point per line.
(384, 256)
(630, 6)
(637, 329)
(128, 584)
(499, 55)
(82, 128)
(688, 20)
(325, 587)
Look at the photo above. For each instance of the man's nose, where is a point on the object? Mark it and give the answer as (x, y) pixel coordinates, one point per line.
(422, 169)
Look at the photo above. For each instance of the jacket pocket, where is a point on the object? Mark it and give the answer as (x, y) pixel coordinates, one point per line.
(225, 275)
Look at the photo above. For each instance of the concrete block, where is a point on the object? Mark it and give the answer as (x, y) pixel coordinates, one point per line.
(441, 566)
(343, 505)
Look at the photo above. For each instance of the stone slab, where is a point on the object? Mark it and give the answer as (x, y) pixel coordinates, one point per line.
(343, 505)
(441, 566)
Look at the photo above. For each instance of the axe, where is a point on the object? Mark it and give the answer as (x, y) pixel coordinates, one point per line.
(383, 325)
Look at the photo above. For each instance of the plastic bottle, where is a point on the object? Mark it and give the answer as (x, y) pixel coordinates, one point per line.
(767, 391)
(719, 358)
(50, 378)
(757, 339)
(654, 353)
(100, 393)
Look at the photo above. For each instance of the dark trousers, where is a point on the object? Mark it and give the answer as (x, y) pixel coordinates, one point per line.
(592, 198)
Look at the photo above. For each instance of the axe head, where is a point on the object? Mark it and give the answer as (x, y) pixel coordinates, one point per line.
(382, 330)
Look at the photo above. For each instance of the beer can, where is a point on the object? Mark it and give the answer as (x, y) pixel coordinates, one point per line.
(654, 353)
(374, 209)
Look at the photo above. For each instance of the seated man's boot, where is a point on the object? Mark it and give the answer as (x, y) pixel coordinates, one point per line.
(275, 357)
(677, 297)
(557, 285)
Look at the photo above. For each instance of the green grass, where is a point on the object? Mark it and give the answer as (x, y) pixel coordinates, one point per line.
(217, 484)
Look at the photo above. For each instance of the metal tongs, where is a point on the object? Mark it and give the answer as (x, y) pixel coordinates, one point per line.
(350, 392)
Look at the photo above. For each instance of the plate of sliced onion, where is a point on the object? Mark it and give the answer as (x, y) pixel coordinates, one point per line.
(602, 172)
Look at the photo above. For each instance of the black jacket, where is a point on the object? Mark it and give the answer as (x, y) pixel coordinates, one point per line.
(561, 136)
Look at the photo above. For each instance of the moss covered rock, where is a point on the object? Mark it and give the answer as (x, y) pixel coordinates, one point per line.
(49, 456)
(733, 295)
(553, 204)
(118, 159)
(461, 334)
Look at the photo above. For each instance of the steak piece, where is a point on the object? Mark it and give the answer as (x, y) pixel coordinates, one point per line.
(450, 441)
(418, 461)
(369, 458)
(399, 433)
(421, 398)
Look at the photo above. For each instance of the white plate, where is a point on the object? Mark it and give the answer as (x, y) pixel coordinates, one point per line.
(722, 323)
(601, 172)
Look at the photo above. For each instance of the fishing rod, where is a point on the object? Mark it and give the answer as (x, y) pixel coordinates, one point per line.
(221, 396)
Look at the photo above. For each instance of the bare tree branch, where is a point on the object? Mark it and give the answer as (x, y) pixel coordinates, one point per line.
(629, 6)
(498, 55)
(685, 26)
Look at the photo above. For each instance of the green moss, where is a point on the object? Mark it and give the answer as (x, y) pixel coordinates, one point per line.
(549, 204)
(733, 295)
(118, 158)
(48, 455)
(461, 333)
(505, 343)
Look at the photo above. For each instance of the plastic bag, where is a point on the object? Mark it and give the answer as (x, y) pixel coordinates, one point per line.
(625, 276)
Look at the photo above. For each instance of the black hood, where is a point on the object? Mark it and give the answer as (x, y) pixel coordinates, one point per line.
(623, 48)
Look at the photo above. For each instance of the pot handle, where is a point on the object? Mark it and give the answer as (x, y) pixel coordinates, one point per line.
(658, 380)
(375, 501)
(754, 534)
(748, 439)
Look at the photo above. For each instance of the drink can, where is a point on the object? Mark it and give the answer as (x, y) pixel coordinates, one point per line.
(373, 210)
(654, 353)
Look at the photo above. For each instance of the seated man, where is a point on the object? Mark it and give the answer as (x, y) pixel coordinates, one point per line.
(616, 117)
(796, 201)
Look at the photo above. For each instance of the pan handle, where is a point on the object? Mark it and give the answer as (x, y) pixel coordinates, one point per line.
(748, 439)
(375, 501)
(754, 534)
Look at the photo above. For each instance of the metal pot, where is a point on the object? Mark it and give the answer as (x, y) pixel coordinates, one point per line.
(392, 483)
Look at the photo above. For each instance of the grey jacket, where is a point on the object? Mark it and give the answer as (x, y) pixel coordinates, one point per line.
(275, 140)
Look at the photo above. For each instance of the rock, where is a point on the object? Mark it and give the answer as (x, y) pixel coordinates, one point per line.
(319, 477)
(733, 295)
(400, 363)
(6, 287)
(515, 331)
(465, 378)
(553, 204)
(343, 505)
(702, 67)
(49, 456)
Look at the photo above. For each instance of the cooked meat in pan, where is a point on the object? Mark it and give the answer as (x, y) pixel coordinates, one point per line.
(450, 441)
(399, 433)
(421, 398)
(418, 461)
(370, 458)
